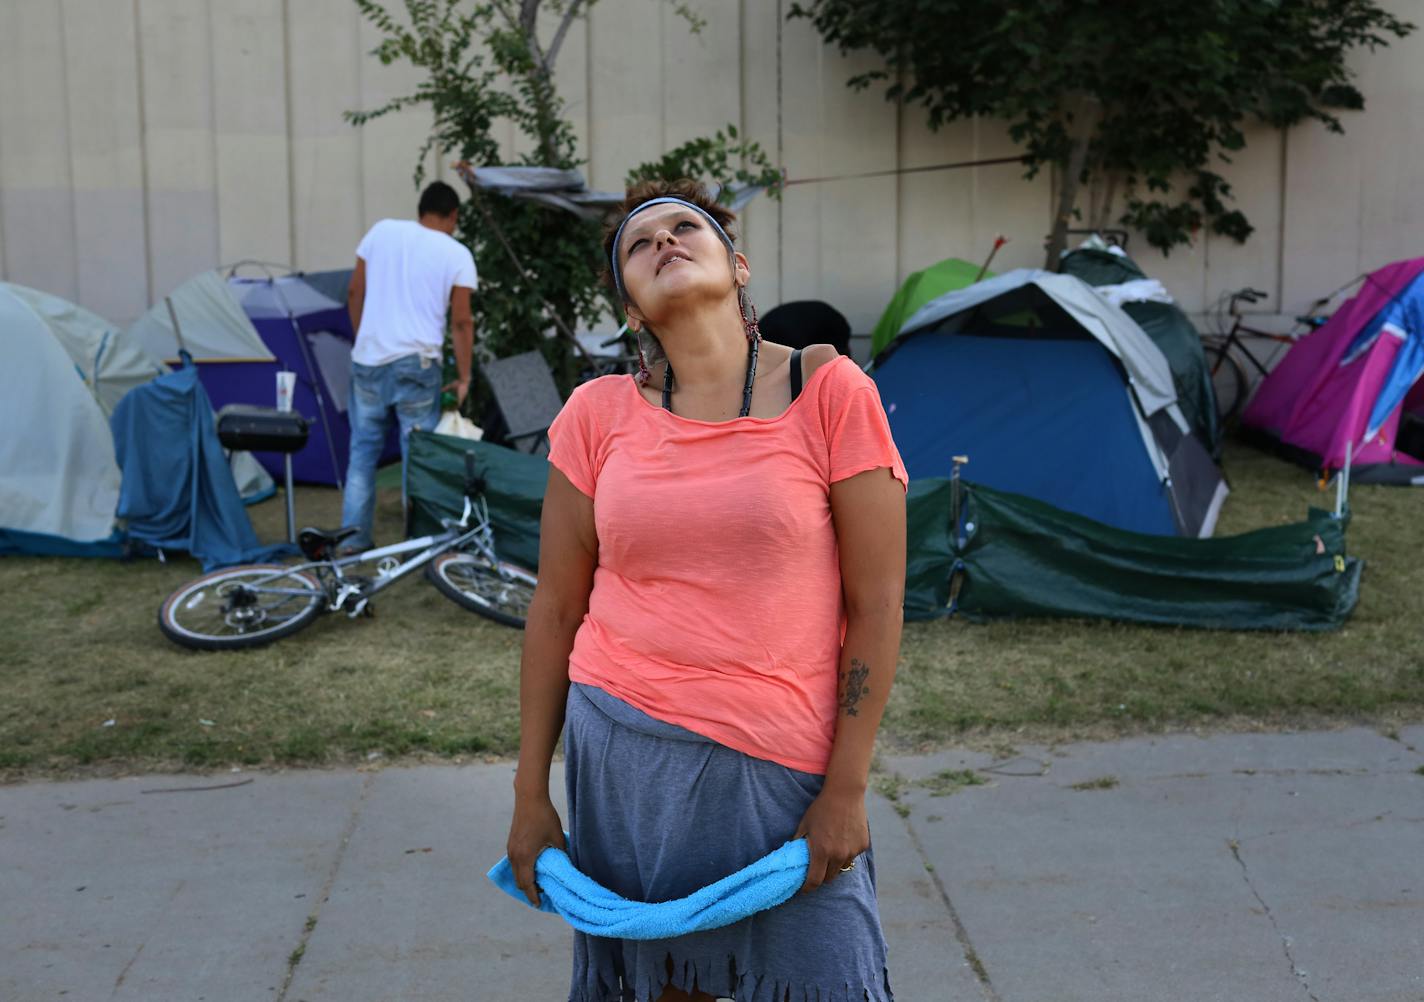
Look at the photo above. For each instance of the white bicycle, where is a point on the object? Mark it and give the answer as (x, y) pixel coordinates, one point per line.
(256, 604)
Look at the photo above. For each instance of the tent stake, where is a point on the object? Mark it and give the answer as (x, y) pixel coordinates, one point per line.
(954, 497)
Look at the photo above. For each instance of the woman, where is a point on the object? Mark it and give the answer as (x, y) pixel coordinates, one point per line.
(717, 623)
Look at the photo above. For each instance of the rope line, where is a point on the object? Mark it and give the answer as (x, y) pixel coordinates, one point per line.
(907, 170)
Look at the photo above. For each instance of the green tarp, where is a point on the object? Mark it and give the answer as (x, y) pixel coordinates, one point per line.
(1169, 329)
(1016, 556)
(514, 489)
(931, 283)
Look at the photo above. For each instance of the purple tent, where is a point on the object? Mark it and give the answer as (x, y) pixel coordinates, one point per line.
(1356, 380)
(242, 331)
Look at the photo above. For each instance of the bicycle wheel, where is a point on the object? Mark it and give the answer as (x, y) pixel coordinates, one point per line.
(1228, 381)
(499, 591)
(241, 607)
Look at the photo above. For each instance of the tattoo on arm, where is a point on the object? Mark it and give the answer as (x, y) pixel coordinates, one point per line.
(855, 686)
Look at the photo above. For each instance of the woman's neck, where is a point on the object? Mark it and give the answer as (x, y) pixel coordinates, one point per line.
(706, 348)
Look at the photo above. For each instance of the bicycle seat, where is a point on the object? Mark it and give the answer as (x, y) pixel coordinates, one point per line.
(320, 544)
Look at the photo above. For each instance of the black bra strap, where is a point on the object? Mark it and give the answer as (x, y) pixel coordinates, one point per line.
(795, 373)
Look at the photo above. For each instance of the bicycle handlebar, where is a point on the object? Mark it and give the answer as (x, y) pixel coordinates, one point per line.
(1249, 294)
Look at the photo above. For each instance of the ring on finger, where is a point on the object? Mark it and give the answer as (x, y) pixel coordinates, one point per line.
(848, 867)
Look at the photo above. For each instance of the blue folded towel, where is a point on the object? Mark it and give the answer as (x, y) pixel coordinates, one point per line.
(592, 908)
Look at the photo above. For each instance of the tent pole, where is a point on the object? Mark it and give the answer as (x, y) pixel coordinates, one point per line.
(1342, 482)
(999, 241)
(316, 378)
(173, 319)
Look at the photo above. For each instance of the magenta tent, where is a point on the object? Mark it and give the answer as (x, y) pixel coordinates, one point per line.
(1355, 382)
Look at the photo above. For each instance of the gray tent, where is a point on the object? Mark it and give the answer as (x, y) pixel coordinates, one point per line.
(68, 368)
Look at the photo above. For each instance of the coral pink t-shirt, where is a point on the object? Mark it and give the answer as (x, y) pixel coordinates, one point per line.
(717, 600)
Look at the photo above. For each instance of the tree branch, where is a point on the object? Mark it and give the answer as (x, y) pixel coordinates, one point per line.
(559, 34)
(529, 25)
(503, 7)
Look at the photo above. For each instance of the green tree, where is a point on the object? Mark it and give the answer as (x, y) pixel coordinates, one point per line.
(1147, 98)
(710, 159)
(485, 63)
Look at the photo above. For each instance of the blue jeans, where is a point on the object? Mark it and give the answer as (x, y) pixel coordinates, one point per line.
(409, 388)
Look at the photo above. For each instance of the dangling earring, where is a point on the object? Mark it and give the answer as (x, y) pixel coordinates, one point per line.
(643, 373)
(751, 325)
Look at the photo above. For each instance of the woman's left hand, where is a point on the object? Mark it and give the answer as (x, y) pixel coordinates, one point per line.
(836, 832)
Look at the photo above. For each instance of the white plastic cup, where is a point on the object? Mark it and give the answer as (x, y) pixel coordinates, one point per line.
(286, 385)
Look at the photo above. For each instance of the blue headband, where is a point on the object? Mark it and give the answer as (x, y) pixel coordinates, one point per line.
(665, 200)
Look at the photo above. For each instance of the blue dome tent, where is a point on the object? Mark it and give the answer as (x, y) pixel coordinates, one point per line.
(1053, 393)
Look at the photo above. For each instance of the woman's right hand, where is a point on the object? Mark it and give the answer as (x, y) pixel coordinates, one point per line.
(535, 827)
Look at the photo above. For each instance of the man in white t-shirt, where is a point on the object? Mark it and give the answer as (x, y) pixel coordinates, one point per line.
(408, 273)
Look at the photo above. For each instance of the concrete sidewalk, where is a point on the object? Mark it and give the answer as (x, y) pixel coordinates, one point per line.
(1248, 868)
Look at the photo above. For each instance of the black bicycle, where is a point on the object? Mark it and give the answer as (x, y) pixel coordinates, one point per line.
(256, 604)
(1230, 381)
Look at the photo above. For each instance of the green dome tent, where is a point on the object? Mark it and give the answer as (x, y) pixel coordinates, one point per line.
(1169, 329)
(930, 283)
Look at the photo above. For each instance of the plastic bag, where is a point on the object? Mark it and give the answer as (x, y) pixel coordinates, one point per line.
(454, 423)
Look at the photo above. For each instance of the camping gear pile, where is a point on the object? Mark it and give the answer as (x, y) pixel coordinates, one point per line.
(1080, 402)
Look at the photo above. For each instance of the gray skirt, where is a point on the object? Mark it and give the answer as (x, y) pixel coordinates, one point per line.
(656, 812)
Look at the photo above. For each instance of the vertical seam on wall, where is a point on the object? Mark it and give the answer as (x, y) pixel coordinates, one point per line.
(974, 179)
(4, 266)
(1360, 222)
(781, 161)
(742, 98)
(588, 94)
(899, 179)
(291, 142)
(819, 195)
(1281, 228)
(143, 155)
(1206, 263)
(662, 77)
(213, 133)
(69, 150)
(360, 131)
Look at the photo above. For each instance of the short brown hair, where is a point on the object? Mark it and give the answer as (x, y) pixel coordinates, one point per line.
(645, 191)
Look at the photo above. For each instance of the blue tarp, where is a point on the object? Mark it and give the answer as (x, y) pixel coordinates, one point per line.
(1047, 418)
(177, 491)
(41, 544)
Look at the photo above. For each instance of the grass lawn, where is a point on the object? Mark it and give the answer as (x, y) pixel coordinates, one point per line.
(79, 646)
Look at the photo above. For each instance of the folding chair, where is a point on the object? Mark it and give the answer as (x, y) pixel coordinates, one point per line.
(527, 398)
